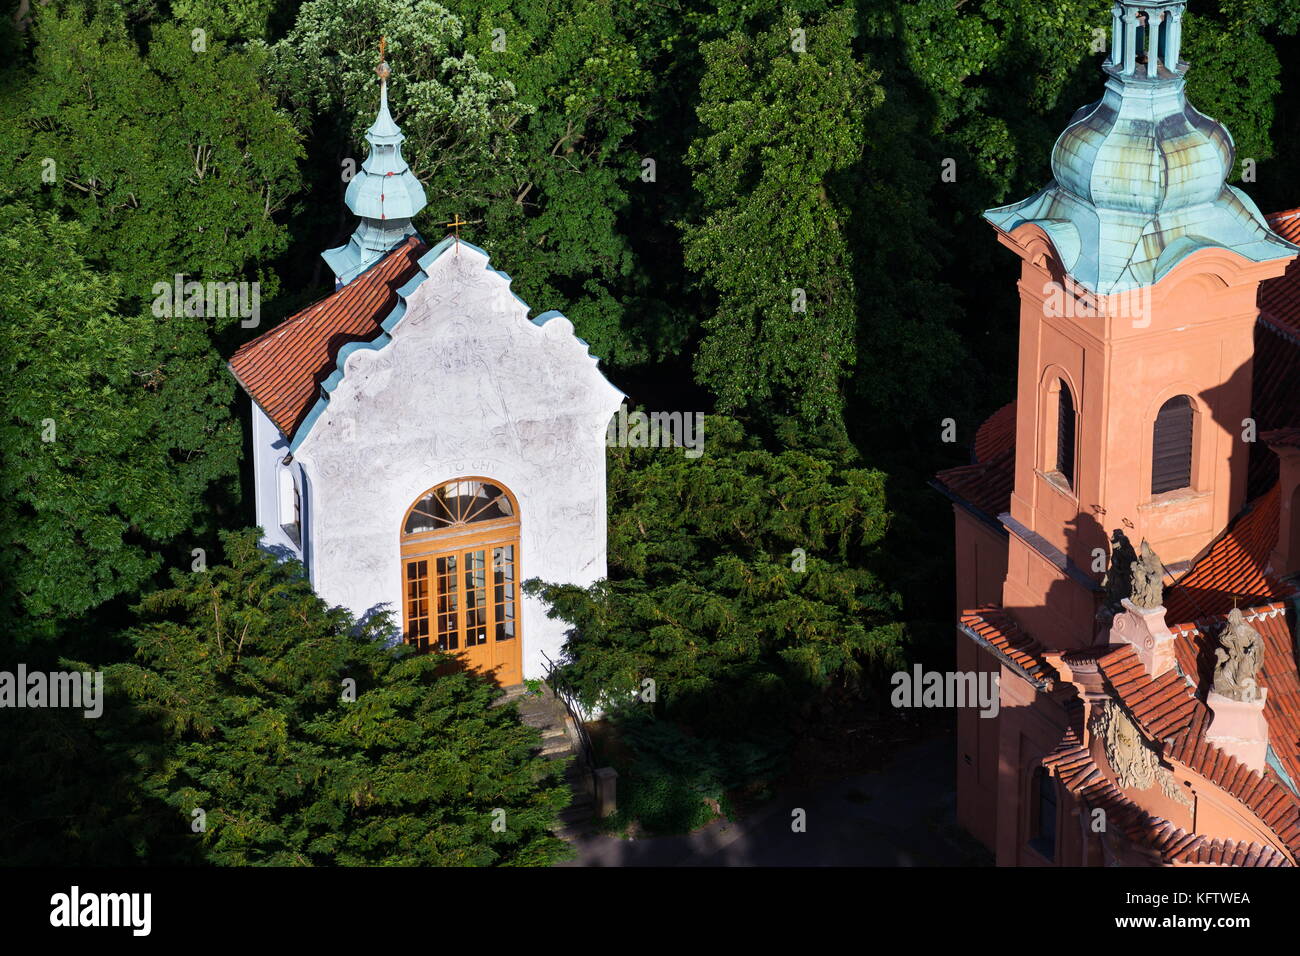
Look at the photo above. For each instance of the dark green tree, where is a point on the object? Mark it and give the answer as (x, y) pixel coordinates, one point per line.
(241, 688)
(738, 581)
(782, 112)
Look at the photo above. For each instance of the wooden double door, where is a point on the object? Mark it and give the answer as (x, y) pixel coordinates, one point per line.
(461, 590)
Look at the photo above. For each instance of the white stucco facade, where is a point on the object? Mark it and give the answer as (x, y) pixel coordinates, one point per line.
(463, 384)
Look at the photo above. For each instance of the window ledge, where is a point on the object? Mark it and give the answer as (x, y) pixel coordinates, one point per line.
(293, 532)
(1058, 483)
(1170, 499)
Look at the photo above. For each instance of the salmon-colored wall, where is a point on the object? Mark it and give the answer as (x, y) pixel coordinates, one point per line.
(1192, 333)
(981, 566)
(1031, 725)
(1050, 605)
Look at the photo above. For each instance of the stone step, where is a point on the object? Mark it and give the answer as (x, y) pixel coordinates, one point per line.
(513, 692)
(557, 747)
(578, 812)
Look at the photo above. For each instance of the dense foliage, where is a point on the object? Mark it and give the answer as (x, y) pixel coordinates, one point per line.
(764, 208)
(734, 578)
(113, 425)
(242, 688)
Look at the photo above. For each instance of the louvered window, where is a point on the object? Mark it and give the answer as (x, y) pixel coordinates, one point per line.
(1065, 433)
(1171, 456)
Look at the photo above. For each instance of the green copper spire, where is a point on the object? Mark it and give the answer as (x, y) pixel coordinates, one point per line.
(385, 194)
(1140, 174)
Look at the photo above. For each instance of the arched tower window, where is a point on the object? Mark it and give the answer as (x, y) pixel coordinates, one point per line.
(1171, 446)
(1058, 424)
(1065, 432)
(460, 580)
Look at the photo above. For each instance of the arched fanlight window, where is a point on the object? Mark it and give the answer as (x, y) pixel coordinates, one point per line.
(1064, 432)
(457, 503)
(1171, 446)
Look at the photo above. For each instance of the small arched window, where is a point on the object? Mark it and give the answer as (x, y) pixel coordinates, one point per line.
(1171, 446)
(290, 503)
(1064, 432)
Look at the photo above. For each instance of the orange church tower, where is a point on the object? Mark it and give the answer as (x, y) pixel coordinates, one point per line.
(1134, 691)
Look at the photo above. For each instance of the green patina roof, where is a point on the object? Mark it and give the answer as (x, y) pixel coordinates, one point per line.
(1140, 175)
(384, 193)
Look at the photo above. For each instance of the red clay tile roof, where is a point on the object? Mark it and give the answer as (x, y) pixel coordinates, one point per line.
(1279, 299)
(1162, 707)
(1195, 646)
(1233, 566)
(994, 628)
(1078, 772)
(1266, 796)
(984, 486)
(997, 434)
(283, 369)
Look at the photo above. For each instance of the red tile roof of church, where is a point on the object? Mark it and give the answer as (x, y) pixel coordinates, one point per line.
(999, 631)
(1163, 706)
(283, 369)
(1279, 299)
(997, 434)
(1073, 764)
(1233, 570)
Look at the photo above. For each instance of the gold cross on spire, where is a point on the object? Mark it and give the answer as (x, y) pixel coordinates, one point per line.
(456, 224)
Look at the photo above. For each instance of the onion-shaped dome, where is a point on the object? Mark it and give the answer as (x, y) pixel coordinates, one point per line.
(1146, 150)
(1140, 175)
(384, 194)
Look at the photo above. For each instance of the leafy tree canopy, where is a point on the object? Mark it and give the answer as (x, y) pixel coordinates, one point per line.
(736, 580)
(113, 426)
(175, 160)
(241, 676)
(781, 113)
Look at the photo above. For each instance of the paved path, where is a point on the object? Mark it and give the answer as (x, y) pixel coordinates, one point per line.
(901, 816)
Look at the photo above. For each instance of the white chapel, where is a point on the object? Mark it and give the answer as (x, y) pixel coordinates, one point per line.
(421, 444)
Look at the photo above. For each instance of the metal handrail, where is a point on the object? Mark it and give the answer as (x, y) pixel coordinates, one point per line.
(565, 696)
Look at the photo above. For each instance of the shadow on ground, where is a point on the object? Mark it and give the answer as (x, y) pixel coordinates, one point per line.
(903, 815)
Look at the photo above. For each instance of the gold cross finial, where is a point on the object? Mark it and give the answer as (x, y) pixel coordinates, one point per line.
(456, 224)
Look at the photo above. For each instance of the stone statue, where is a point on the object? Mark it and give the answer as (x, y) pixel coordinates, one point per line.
(1119, 581)
(1238, 657)
(1147, 577)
